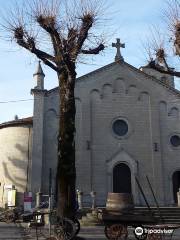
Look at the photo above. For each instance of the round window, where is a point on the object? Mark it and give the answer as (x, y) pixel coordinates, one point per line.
(120, 127)
(175, 140)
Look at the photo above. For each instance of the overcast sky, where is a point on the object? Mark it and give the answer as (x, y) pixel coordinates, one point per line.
(128, 20)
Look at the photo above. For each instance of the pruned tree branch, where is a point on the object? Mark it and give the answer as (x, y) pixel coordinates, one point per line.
(94, 50)
(161, 70)
(87, 22)
(66, 36)
(48, 23)
(158, 46)
(28, 42)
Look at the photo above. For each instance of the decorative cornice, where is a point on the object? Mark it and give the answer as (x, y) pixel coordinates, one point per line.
(82, 78)
(87, 75)
(170, 88)
(99, 70)
(36, 91)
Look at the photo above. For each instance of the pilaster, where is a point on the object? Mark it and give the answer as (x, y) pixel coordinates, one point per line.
(37, 139)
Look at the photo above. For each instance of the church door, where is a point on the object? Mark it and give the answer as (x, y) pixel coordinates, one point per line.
(176, 184)
(121, 179)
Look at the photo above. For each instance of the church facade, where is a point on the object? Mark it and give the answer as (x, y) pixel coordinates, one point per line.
(127, 126)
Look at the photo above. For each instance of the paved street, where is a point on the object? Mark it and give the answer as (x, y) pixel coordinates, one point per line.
(12, 232)
(9, 232)
(92, 233)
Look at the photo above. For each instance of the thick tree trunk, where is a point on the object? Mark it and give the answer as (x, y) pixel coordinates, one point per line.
(66, 171)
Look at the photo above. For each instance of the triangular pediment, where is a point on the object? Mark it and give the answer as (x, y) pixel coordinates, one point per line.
(121, 70)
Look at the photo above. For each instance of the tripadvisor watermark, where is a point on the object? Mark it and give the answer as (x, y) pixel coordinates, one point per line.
(142, 232)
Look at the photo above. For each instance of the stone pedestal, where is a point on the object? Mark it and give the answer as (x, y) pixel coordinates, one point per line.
(80, 199)
(93, 196)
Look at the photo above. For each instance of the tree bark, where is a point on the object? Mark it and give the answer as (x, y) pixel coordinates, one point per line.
(66, 172)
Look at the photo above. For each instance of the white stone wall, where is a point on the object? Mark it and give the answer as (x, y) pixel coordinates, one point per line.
(38, 141)
(51, 122)
(15, 158)
(120, 91)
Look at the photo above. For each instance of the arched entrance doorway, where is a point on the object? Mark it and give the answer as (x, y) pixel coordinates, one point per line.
(121, 178)
(176, 184)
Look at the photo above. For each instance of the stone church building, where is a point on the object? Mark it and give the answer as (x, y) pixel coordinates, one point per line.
(127, 126)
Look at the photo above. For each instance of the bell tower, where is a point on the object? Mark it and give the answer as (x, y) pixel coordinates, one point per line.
(39, 94)
(39, 77)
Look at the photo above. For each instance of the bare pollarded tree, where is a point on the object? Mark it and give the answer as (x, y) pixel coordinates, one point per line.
(58, 33)
(171, 35)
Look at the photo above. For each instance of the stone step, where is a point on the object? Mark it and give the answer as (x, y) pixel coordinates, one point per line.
(169, 214)
(91, 215)
(92, 229)
(164, 214)
(174, 212)
(161, 208)
(93, 212)
(90, 223)
(90, 219)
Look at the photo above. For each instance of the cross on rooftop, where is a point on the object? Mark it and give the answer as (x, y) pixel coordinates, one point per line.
(118, 45)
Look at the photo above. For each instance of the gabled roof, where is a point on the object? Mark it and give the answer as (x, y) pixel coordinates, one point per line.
(106, 67)
(87, 75)
(161, 82)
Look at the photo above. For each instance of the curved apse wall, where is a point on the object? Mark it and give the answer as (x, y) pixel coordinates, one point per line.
(15, 160)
